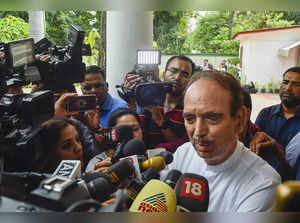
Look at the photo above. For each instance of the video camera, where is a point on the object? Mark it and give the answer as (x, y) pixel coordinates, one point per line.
(21, 115)
(20, 120)
(146, 67)
(64, 68)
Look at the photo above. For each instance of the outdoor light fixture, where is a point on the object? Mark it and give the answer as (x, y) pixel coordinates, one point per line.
(148, 57)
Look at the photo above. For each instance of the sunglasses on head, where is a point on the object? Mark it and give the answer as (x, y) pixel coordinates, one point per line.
(91, 86)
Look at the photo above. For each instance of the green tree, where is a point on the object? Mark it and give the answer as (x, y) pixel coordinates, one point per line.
(20, 14)
(215, 29)
(170, 31)
(13, 28)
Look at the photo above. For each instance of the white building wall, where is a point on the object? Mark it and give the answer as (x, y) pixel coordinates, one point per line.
(261, 62)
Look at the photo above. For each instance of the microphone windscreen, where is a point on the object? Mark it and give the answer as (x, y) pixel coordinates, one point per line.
(88, 177)
(150, 174)
(158, 163)
(155, 196)
(172, 178)
(134, 147)
(100, 189)
(288, 197)
(192, 192)
(168, 156)
(123, 133)
(120, 171)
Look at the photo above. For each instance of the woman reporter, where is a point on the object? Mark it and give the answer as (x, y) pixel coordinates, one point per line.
(61, 142)
(122, 116)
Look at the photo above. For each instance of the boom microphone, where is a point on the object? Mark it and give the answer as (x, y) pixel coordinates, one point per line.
(192, 193)
(155, 196)
(288, 197)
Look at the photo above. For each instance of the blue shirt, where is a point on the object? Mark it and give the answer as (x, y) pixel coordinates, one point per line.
(109, 106)
(272, 121)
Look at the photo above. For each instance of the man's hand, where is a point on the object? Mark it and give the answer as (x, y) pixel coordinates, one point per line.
(60, 106)
(102, 165)
(262, 140)
(131, 80)
(100, 140)
(92, 118)
(157, 116)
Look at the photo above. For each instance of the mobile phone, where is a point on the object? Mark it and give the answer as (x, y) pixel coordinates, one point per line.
(81, 103)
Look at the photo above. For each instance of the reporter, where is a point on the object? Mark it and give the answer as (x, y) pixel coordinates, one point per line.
(61, 141)
(119, 117)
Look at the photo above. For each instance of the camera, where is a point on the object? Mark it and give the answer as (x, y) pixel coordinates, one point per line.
(152, 94)
(146, 67)
(22, 114)
(65, 66)
(20, 120)
(81, 103)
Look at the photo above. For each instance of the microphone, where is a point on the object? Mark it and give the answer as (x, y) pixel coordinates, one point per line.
(288, 197)
(19, 185)
(168, 156)
(192, 193)
(155, 196)
(133, 151)
(157, 162)
(58, 193)
(132, 147)
(154, 152)
(136, 186)
(172, 178)
(150, 174)
(121, 133)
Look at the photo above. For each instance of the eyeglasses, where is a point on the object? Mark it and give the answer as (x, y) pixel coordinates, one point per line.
(91, 86)
(174, 71)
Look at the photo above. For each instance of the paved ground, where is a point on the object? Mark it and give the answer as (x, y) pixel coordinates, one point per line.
(261, 100)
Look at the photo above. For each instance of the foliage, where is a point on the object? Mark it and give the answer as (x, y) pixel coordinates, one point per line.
(214, 29)
(91, 39)
(263, 88)
(291, 16)
(270, 86)
(58, 27)
(233, 67)
(20, 14)
(13, 28)
(256, 85)
(170, 31)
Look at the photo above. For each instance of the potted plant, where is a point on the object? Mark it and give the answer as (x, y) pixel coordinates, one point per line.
(277, 87)
(270, 86)
(263, 88)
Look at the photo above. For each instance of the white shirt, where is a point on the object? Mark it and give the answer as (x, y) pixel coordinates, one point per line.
(242, 183)
(292, 150)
